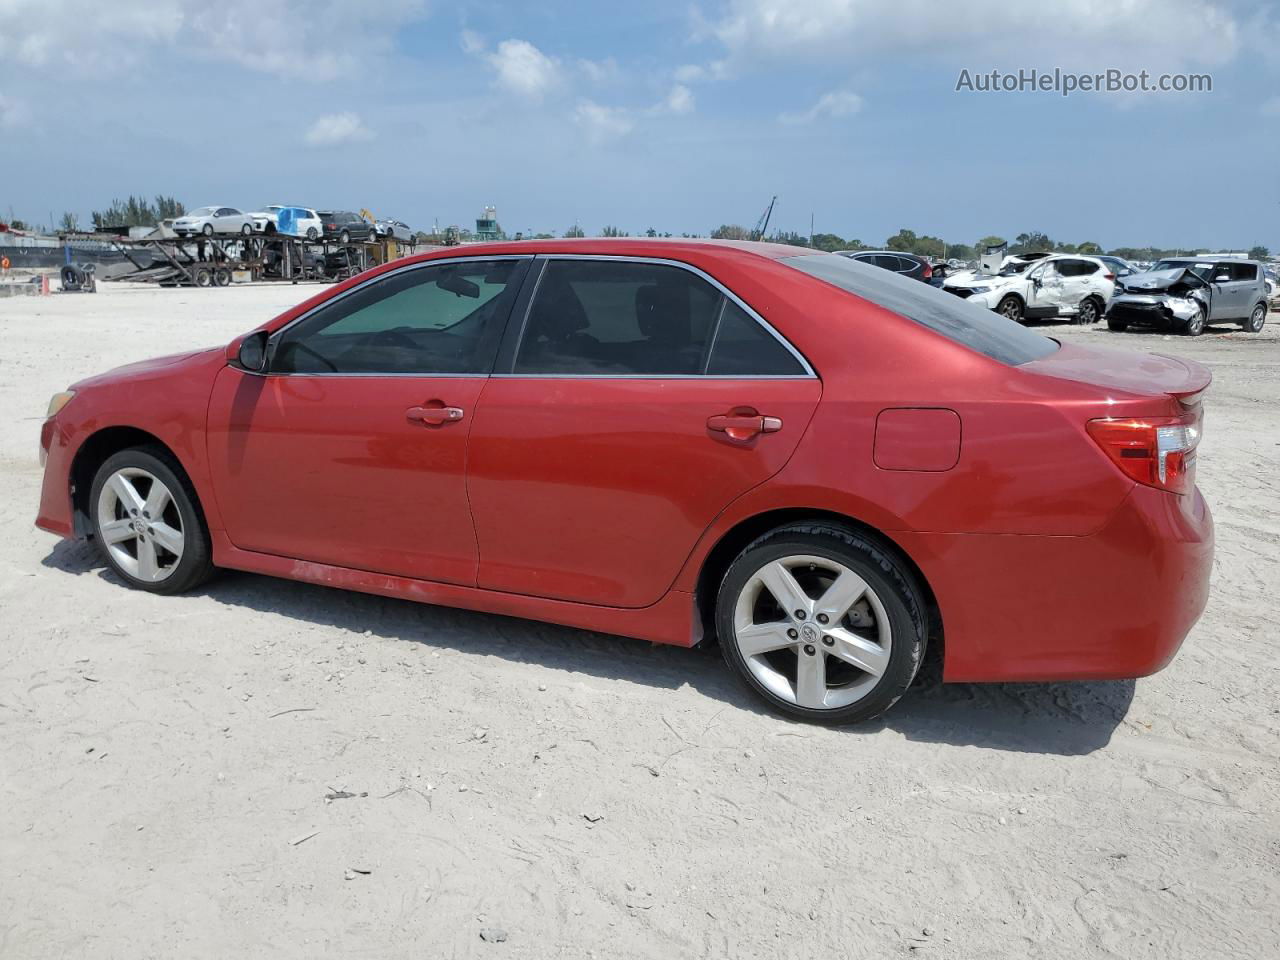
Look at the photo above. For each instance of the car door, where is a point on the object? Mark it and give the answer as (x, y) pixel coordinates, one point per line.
(1075, 275)
(633, 401)
(1244, 288)
(226, 220)
(351, 450)
(1045, 290)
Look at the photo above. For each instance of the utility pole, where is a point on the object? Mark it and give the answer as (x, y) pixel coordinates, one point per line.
(811, 228)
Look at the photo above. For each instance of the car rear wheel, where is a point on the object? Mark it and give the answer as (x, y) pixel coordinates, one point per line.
(147, 522)
(1195, 326)
(1088, 313)
(222, 277)
(821, 623)
(312, 233)
(204, 277)
(1256, 319)
(346, 237)
(1010, 307)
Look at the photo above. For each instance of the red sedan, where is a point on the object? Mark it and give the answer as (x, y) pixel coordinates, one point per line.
(822, 464)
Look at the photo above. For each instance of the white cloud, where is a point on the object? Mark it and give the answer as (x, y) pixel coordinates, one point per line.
(335, 128)
(697, 73)
(600, 71)
(472, 42)
(602, 123)
(1074, 34)
(523, 69)
(837, 103)
(679, 99)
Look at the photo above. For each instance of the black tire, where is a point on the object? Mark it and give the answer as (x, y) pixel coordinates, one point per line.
(1195, 326)
(1256, 319)
(207, 229)
(1119, 326)
(893, 584)
(345, 237)
(1010, 307)
(246, 229)
(196, 564)
(1090, 311)
(312, 233)
(221, 277)
(204, 277)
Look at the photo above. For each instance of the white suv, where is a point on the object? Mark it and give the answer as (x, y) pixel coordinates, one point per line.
(1059, 285)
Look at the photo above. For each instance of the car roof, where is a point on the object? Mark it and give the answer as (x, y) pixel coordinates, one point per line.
(660, 247)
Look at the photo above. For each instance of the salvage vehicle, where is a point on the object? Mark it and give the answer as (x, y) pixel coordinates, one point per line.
(1188, 293)
(345, 226)
(393, 229)
(297, 221)
(824, 465)
(212, 220)
(1041, 287)
(906, 264)
(1120, 267)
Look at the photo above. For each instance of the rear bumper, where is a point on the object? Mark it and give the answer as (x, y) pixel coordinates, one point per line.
(1116, 604)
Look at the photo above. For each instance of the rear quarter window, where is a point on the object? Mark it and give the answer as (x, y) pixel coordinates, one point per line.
(945, 314)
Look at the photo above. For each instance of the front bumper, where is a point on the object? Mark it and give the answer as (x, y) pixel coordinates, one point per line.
(1115, 604)
(1153, 310)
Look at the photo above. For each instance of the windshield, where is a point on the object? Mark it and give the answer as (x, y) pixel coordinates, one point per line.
(1201, 269)
(945, 314)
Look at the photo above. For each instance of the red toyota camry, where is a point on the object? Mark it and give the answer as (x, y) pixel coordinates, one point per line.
(822, 464)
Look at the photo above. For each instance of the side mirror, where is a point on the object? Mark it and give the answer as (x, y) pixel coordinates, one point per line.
(1221, 278)
(249, 352)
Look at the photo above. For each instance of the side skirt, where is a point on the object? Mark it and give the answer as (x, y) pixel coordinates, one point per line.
(672, 620)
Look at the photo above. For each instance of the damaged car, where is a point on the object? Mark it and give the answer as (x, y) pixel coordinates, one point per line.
(1040, 286)
(1188, 293)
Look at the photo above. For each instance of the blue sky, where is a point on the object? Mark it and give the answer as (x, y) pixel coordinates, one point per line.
(679, 116)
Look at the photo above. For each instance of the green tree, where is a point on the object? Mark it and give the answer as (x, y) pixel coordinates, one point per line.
(1031, 242)
(1259, 253)
(70, 223)
(904, 240)
(575, 231)
(1089, 249)
(730, 231)
(612, 231)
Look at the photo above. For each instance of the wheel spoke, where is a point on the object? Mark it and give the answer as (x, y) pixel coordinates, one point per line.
(867, 655)
(115, 531)
(778, 580)
(126, 493)
(167, 537)
(811, 679)
(759, 638)
(158, 498)
(148, 567)
(846, 590)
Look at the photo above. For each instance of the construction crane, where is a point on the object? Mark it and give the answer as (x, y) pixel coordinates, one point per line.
(763, 223)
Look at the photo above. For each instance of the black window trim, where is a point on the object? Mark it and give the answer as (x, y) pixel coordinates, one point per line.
(276, 335)
(511, 345)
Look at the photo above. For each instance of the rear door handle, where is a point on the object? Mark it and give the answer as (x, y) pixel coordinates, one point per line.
(434, 415)
(743, 426)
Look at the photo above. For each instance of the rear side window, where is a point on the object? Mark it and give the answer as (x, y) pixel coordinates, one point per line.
(1244, 271)
(744, 348)
(945, 314)
(606, 317)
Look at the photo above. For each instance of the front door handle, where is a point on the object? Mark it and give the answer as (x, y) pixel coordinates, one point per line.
(434, 415)
(743, 426)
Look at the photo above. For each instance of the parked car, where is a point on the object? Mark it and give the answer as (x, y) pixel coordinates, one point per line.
(298, 221)
(345, 226)
(1120, 267)
(1044, 287)
(1188, 293)
(395, 229)
(906, 264)
(820, 462)
(213, 220)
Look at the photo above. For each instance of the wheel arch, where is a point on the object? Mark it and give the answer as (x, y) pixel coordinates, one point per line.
(91, 455)
(732, 542)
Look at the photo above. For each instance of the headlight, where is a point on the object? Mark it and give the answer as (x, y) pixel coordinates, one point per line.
(59, 401)
(980, 289)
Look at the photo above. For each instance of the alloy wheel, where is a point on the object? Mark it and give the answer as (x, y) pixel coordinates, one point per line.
(140, 525)
(812, 632)
(1257, 319)
(1195, 326)
(1088, 312)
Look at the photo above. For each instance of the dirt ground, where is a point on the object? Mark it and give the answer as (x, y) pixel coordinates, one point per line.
(167, 763)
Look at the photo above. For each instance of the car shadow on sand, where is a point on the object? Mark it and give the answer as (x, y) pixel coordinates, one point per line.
(1053, 718)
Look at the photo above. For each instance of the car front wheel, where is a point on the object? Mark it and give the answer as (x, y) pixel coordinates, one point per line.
(821, 623)
(1010, 307)
(1195, 326)
(147, 522)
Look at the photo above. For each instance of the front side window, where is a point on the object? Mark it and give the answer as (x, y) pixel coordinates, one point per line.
(440, 318)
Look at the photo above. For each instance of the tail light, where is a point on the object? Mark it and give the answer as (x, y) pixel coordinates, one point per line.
(1157, 451)
(1110, 276)
(928, 271)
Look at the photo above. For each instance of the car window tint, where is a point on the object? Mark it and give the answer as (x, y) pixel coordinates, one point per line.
(947, 315)
(744, 348)
(905, 265)
(1244, 271)
(442, 318)
(606, 317)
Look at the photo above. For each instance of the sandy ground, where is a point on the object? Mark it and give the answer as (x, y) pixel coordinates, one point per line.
(587, 795)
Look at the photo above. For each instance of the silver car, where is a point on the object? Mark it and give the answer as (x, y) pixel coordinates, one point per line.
(395, 229)
(211, 220)
(1187, 293)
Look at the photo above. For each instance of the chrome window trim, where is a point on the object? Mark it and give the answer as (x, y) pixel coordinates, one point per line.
(421, 265)
(809, 374)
